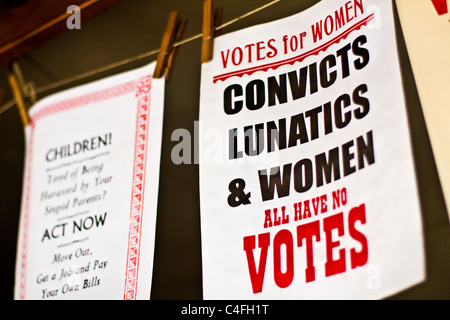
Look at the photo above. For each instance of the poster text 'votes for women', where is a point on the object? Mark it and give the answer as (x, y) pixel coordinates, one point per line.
(306, 171)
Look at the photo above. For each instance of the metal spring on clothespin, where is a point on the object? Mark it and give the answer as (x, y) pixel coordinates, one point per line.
(30, 92)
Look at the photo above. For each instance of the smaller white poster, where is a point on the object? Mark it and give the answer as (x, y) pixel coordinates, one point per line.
(87, 224)
(307, 180)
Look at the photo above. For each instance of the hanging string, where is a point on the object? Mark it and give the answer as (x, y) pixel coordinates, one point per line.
(63, 82)
(6, 106)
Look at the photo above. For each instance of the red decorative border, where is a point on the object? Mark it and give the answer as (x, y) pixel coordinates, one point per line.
(84, 100)
(57, 108)
(299, 58)
(137, 197)
(25, 227)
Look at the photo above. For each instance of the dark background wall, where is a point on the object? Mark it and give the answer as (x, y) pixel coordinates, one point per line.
(136, 26)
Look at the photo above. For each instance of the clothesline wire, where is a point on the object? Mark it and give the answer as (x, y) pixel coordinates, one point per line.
(122, 62)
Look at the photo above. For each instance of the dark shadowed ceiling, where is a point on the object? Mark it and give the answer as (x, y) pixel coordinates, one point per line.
(27, 24)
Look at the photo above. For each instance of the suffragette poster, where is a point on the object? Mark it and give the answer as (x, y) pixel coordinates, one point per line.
(307, 182)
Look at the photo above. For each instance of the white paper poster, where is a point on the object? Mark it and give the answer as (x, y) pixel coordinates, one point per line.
(307, 179)
(90, 193)
(426, 28)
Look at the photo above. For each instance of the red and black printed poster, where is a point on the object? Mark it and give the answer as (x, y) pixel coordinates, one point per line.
(87, 226)
(307, 179)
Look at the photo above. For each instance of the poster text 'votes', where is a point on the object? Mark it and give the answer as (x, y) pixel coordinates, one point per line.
(308, 111)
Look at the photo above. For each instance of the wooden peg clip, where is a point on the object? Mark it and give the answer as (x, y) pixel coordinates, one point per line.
(181, 28)
(13, 82)
(210, 23)
(218, 20)
(19, 89)
(167, 53)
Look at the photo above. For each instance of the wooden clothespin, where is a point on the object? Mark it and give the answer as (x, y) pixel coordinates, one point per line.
(17, 92)
(218, 20)
(181, 28)
(167, 53)
(20, 91)
(210, 23)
